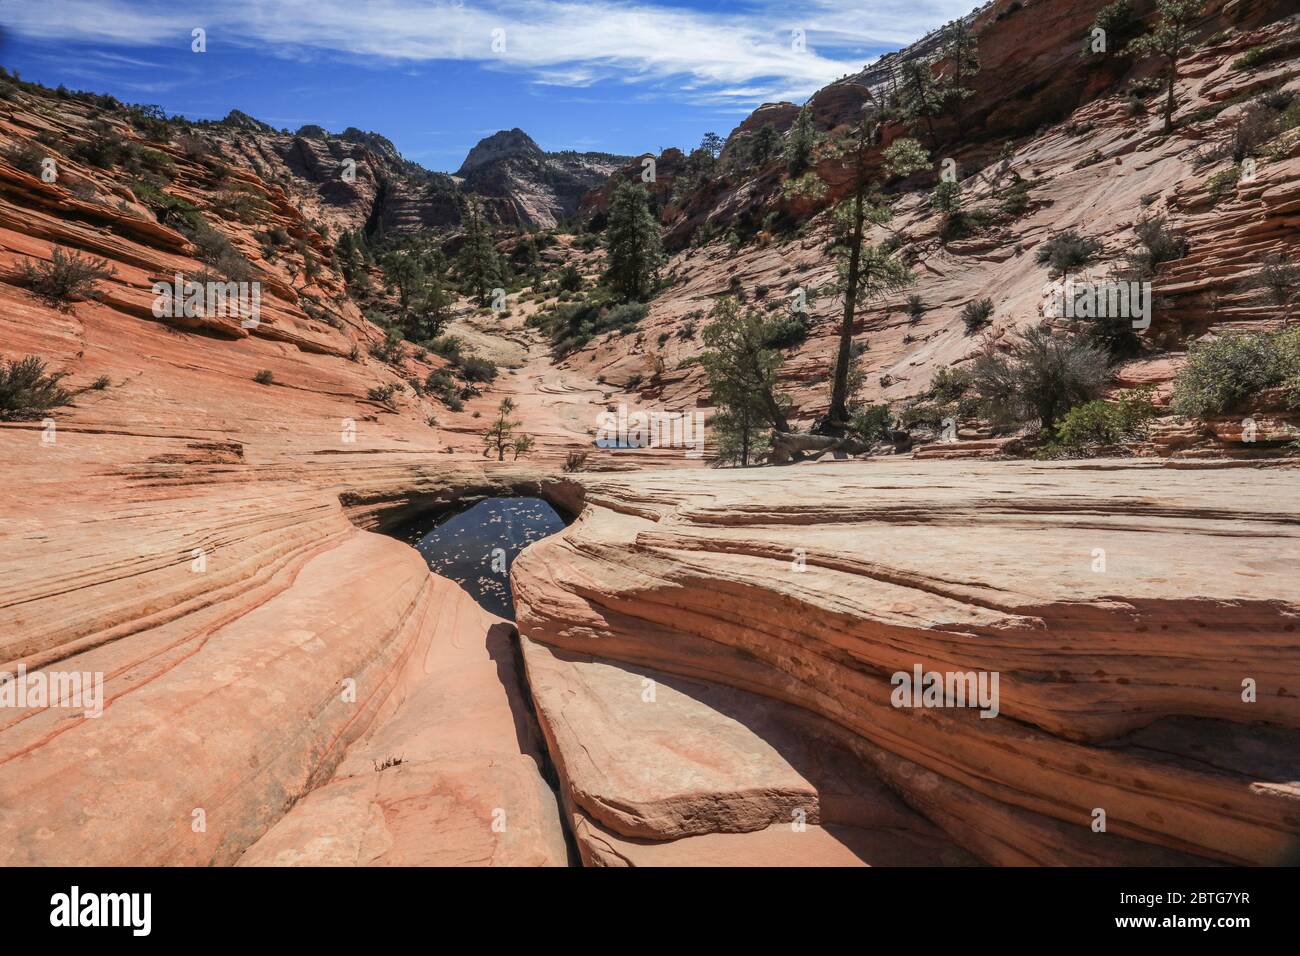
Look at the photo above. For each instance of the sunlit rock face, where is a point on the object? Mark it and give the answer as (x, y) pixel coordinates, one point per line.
(1144, 657)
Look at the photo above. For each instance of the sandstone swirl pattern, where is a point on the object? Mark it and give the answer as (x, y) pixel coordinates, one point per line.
(1120, 690)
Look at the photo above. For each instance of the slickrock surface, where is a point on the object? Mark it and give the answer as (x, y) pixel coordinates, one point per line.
(658, 768)
(1111, 682)
(450, 778)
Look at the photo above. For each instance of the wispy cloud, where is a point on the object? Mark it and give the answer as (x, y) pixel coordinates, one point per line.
(749, 52)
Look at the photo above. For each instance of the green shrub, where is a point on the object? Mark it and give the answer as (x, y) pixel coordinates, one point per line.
(28, 391)
(1066, 251)
(1221, 374)
(1157, 243)
(976, 315)
(570, 278)
(807, 186)
(950, 384)
(869, 424)
(1040, 377)
(448, 346)
(26, 156)
(1098, 423)
(392, 350)
(785, 331)
(1120, 24)
(264, 377)
(1268, 53)
(1014, 200)
(68, 277)
(476, 369)
(570, 327)
(1222, 183)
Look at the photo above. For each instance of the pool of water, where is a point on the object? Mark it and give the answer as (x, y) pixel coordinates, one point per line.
(476, 547)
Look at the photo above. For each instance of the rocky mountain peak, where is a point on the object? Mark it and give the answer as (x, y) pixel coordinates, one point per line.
(241, 120)
(505, 144)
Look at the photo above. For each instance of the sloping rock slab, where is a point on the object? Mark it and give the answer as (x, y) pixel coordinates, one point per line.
(647, 758)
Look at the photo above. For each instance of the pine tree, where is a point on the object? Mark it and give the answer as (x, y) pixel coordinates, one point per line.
(865, 272)
(961, 50)
(502, 434)
(803, 137)
(713, 144)
(741, 369)
(633, 244)
(920, 96)
(1170, 39)
(478, 264)
(764, 145)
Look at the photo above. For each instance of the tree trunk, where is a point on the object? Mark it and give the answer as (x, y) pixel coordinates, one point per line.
(838, 414)
(1169, 95)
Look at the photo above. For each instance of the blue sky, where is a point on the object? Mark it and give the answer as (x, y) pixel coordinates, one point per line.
(435, 76)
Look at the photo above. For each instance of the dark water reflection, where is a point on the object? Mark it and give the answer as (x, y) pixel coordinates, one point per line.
(476, 547)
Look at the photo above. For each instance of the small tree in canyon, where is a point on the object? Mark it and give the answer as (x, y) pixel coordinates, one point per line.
(799, 149)
(865, 272)
(478, 264)
(503, 434)
(1170, 39)
(634, 247)
(741, 370)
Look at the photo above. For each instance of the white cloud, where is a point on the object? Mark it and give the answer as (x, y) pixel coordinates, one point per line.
(744, 53)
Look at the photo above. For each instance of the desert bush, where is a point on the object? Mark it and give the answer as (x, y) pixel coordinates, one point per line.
(25, 156)
(382, 393)
(28, 391)
(448, 346)
(1067, 251)
(1014, 200)
(869, 423)
(477, 369)
(264, 377)
(1097, 423)
(575, 461)
(976, 315)
(570, 327)
(1119, 22)
(1221, 374)
(1040, 378)
(807, 186)
(66, 278)
(950, 384)
(392, 350)
(1157, 243)
(570, 279)
(785, 331)
(1267, 53)
(915, 308)
(1222, 183)
(105, 147)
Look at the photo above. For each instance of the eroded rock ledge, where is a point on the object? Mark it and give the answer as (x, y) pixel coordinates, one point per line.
(1121, 689)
